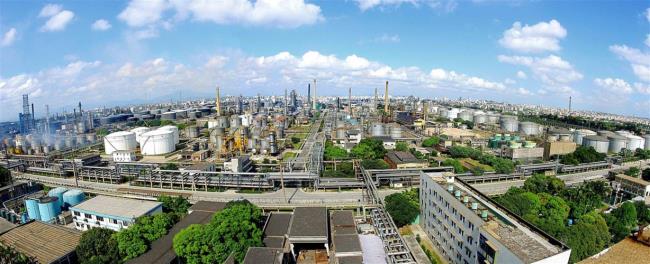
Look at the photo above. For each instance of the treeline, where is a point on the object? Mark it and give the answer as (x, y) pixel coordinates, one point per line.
(582, 154)
(592, 124)
(500, 165)
(573, 214)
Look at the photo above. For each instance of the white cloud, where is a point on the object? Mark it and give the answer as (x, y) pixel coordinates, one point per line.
(639, 61)
(521, 75)
(101, 25)
(643, 88)
(385, 38)
(614, 85)
(369, 4)
(523, 91)
(543, 36)
(356, 63)
(554, 72)
(647, 40)
(143, 12)
(58, 18)
(444, 5)
(9, 37)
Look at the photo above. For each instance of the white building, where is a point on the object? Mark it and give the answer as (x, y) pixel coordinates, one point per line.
(124, 156)
(466, 227)
(111, 212)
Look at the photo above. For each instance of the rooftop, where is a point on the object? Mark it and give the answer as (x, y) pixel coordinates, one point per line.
(402, 157)
(262, 255)
(45, 242)
(628, 251)
(347, 243)
(277, 224)
(115, 206)
(633, 179)
(205, 206)
(309, 222)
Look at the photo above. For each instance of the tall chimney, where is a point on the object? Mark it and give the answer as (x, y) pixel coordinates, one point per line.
(374, 102)
(308, 94)
(315, 101)
(386, 99)
(569, 104)
(33, 117)
(218, 101)
(47, 119)
(350, 101)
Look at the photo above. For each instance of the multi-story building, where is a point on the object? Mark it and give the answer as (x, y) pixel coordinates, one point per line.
(467, 227)
(111, 212)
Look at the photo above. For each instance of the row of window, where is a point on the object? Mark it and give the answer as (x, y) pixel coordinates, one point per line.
(100, 218)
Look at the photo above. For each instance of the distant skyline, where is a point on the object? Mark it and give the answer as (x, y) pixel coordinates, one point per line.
(528, 52)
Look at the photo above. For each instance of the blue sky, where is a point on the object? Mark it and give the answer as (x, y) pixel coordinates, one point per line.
(115, 52)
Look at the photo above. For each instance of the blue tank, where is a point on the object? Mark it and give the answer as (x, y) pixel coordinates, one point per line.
(73, 197)
(49, 208)
(58, 193)
(32, 209)
(24, 218)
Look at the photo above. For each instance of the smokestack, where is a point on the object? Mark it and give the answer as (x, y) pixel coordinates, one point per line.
(350, 101)
(386, 99)
(315, 101)
(308, 94)
(33, 117)
(218, 101)
(374, 102)
(47, 119)
(569, 104)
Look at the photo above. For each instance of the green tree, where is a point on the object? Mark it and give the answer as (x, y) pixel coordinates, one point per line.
(621, 221)
(430, 142)
(540, 183)
(369, 148)
(101, 132)
(135, 240)
(633, 171)
(458, 168)
(645, 175)
(174, 204)
(582, 154)
(402, 209)
(587, 237)
(169, 166)
(522, 203)
(98, 246)
(232, 230)
(401, 146)
(642, 213)
(295, 140)
(552, 214)
(374, 164)
(10, 255)
(334, 152)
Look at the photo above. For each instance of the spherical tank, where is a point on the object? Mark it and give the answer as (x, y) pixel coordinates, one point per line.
(32, 209)
(173, 129)
(139, 131)
(73, 197)
(377, 130)
(599, 143)
(616, 143)
(58, 193)
(123, 141)
(48, 208)
(168, 116)
(157, 142)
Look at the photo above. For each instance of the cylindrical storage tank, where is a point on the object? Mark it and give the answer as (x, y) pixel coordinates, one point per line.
(139, 131)
(157, 142)
(58, 193)
(530, 144)
(49, 208)
(81, 127)
(280, 131)
(192, 131)
(605, 133)
(551, 138)
(212, 123)
(493, 118)
(90, 137)
(443, 112)
(646, 145)
(529, 128)
(32, 209)
(514, 144)
(69, 142)
(509, 125)
(122, 141)
(466, 115)
(565, 138)
(168, 116)
(633, 141)
(599, 143)
(193, 115)
(453, 113)
(81, 140)
(480, 119)
(377, 130)
(617, 143)
(58, 143)
(173, 129)
(396, 132)
(581, 133)
(73, 197)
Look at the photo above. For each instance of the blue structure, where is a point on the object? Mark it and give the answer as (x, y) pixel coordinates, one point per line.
(58, 193)
(32, 209)
(49, 208)
(73, 197)
(24, 218)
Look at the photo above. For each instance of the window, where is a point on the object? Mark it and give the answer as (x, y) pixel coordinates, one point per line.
(77, 213)
(89, 216)
(99, 218)
(114, 221)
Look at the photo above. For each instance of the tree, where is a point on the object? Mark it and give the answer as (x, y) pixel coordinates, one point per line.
(369, 148)
(232, 230)
(585, 198)
(540, 183)
(295, 140)
(587, 237)
(552, 214)
(520, 202)
(135, 240)
(401, 146)
(334, 152)
(374, 164)
(621, 221)
(402, 209)
(642, 213)
(458, 168)
(430, 142)
(582, 154)
(5, 176)
(633, 171)
(98, 246)
(10, 255)
(175, 204)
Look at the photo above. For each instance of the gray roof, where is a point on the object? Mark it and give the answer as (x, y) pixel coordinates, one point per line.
(342, 218)
(277, 224)
(274, 242)
(350, 260)
(262, 255)
(309, 222)
(402, 157)
(114, 206)
(206, 206)
(347, 243)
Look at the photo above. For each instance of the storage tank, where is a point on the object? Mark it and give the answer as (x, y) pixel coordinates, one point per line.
(605, 133)
(192, 131)
(480, 119)
(173, 129)
(157, 142)
(466, 115)
(168, 116)
(58, 193)
(120, 141)
(509, 124)
(69, 142)
(396, 132)
(180, 114)
(599, 143)
(646, 145)
(193, 114)
(139, 131)
(551, 138)
(530, 144)
(633, 141)
(32, 208)
(493, 118)
(48, 208)
(443, 113)
(616, 143)
(581, 133)
(223, 121)
(73, 197)
(529, 128)
(280, 131)
(377, 130)
(565, 138)
(212, 123)
(90, 138)
(453, 113)
(80, 139)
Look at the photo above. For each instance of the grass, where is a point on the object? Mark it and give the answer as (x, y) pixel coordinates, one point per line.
(288, 155)
(470, 164)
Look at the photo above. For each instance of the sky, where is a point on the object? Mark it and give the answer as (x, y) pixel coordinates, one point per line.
(106, 53)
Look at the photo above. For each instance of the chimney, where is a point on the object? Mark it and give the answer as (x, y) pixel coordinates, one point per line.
(315, 101)
(218, 101)
(350, 101)
(374, 102)
(386, 99)
(33, 117)
(308, 94)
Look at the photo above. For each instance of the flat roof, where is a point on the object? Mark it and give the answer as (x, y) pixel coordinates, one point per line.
(5, 225)
(45, 242)
(633, 179)
(342, 218)
(309, 222)
(277, 224)
(628, 251)
(402, 157)
(350, 260)
(115, 206)
(207, 206)
(274, 242)
(262, 255)
(347, 243)
(162, 250)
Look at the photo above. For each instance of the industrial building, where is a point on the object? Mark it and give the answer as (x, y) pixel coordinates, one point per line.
(404, 160)
(111, 212)
(635, 187)
(467, 227)
(47, 243)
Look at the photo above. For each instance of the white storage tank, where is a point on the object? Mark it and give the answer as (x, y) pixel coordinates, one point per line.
(157, 142)
(646, 145)
(466, 115)
(633, 141)
(396, 132)
(377, 130)
(173, 129)
(509, 124)
(599, 143)
(480, 119)
(529, 128)
(616, 143)
(123, 141)
(453, 113)
(579, 134)
(139, 131)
